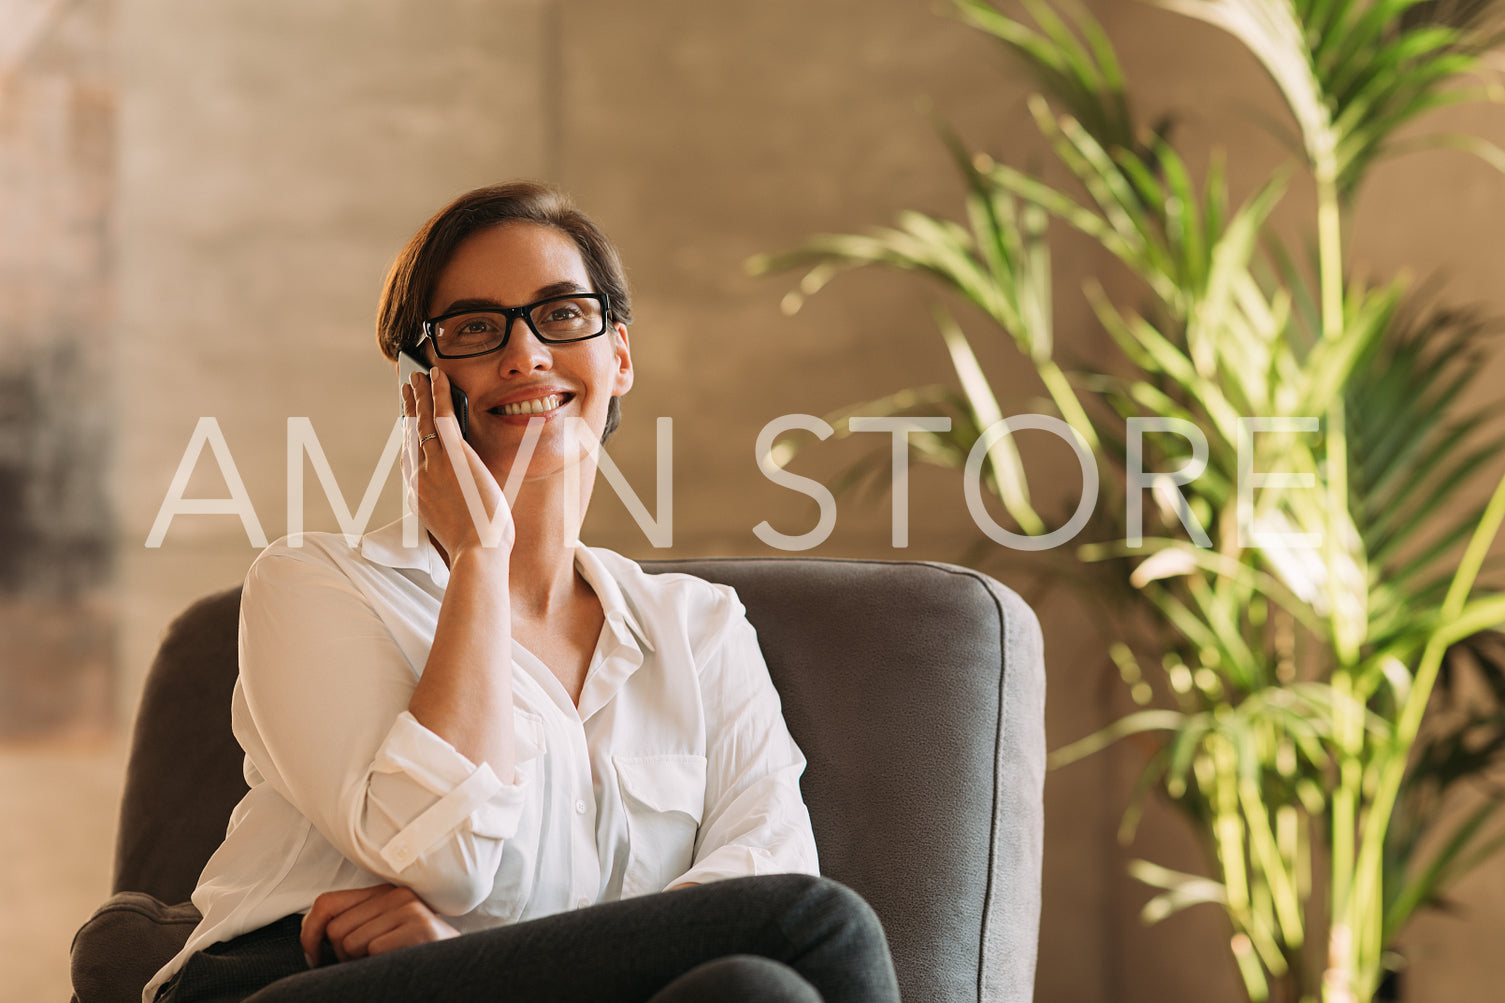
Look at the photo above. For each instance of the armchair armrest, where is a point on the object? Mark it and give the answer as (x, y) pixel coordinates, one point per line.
(123, 945)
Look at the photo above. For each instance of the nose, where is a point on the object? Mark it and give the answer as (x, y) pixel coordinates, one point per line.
(523, 352)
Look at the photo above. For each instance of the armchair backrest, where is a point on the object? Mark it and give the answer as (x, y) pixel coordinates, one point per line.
(915, 690)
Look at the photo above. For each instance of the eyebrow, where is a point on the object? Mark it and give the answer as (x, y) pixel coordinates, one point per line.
(553, 289)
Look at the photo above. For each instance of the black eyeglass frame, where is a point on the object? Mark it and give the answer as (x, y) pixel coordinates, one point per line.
(525, 313)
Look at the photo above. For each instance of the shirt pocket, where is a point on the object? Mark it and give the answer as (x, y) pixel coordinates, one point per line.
(664, 799)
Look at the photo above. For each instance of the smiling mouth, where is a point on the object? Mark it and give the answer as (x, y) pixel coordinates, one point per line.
(538, 405)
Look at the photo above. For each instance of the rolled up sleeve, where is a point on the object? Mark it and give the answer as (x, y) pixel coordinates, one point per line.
(423, 790)
(321, 710)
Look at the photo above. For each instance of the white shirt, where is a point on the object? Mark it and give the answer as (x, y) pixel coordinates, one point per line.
(675, 767)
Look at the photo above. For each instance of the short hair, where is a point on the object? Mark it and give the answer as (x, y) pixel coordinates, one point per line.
(410, 282)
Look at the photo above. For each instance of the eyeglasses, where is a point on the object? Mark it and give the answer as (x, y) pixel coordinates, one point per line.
(555, 321)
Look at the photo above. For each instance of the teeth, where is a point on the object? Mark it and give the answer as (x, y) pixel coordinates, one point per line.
(537, 405)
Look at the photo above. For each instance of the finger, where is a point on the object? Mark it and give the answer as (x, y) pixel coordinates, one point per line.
(444, 404)
(352, 943)
(423, 394)
(400, 936)
(411, 454)
(410, 451)
(419, 926)
(445, 422)
(423, 398)
(353, 930)
(327, 908)
(311, 933)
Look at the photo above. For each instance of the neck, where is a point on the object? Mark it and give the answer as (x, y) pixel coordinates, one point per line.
(541, 568)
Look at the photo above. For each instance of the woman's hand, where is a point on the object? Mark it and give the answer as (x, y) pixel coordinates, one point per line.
(455, 495)
(364, 922)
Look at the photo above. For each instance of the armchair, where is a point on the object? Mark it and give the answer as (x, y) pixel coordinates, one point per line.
(916, 691)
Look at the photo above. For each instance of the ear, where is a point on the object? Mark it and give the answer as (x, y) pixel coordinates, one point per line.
(623, 380)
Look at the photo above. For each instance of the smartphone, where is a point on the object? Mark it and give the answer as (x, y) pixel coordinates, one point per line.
(408, 364)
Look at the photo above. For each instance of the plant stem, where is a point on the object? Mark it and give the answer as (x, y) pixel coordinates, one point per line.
(1394, 768)
(1348, 724)
(1330, 275)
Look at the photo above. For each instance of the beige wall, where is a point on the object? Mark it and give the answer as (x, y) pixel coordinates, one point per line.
(273, 155)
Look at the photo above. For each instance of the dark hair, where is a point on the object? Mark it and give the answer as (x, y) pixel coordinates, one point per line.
(410, 284)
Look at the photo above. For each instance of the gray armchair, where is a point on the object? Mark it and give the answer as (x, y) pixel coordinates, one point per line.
(915, 690)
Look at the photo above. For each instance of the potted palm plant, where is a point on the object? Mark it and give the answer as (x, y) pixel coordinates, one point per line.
(1297, 634)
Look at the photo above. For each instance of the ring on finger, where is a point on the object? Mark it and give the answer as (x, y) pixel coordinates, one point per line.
(426, 438)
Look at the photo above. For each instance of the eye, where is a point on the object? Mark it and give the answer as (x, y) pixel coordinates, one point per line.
(470, 327)
(469, 333)
(569, 317)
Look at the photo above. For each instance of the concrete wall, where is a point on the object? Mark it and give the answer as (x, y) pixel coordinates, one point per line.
(56, 537)
(274, 155)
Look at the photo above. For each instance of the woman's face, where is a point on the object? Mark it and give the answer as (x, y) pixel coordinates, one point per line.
(507, 266)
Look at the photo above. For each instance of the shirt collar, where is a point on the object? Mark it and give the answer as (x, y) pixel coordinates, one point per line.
(385, 546)
(619, 615)
(620, 651)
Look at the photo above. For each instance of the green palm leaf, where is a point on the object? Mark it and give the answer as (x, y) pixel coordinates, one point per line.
(1077, 67)
(1353, 72)
(1298, 676)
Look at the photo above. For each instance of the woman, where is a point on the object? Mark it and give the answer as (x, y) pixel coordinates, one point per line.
(477, 757)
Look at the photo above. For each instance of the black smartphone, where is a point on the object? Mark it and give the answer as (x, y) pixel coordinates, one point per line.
(408, 364)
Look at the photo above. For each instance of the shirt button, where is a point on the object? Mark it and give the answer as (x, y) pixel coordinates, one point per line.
(582, 903)
(580, 807)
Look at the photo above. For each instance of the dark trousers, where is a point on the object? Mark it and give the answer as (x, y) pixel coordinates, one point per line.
(784, 937)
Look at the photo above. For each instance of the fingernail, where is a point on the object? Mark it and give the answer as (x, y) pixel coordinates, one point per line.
(310, 959)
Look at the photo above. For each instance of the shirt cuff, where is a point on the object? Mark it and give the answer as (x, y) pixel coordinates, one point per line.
(466, 793)
(731, 862)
